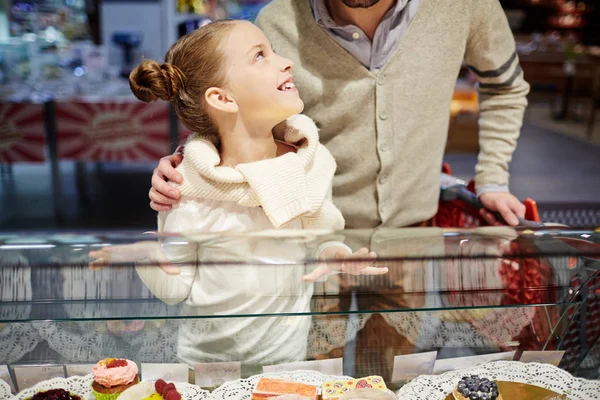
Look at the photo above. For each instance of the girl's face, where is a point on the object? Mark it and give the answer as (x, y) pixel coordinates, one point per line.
(259, 80)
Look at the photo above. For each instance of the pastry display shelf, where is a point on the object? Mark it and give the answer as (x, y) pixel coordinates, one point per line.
(71, 299)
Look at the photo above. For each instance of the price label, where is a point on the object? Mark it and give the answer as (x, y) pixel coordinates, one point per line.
(407, 367)
(215, 374)
(166, 372)
(27, 377)
(452, 364)
(79, 369)
(544, 357)
(333, 366)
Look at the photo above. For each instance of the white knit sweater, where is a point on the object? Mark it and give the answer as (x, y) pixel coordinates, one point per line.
(295, 185)
(289, 192)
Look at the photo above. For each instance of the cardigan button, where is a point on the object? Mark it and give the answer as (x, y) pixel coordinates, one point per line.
(383, 115)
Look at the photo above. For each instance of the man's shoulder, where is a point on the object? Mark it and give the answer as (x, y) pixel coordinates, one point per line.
(276, 7)
(279, 13)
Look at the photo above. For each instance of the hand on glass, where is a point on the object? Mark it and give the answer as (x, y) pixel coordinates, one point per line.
(338, 259)
(148, 252)
(506, 204)
(162, 195)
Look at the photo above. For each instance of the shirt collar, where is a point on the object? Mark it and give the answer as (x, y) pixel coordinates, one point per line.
(323, 18)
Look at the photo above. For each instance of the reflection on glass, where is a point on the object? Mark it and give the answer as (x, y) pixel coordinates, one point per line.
(267, 279)
(15, 286)
(204, 298)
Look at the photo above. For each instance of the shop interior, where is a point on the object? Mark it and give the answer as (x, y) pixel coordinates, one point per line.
(78, 52)
(461, 302)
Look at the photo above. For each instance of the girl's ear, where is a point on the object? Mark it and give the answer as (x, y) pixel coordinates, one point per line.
(220, 100)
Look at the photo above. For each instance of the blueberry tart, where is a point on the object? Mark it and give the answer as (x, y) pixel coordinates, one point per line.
(475, 388)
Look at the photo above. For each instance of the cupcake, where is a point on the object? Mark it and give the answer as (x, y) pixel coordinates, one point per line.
(55, 394)
(112, 376)
(475, 388)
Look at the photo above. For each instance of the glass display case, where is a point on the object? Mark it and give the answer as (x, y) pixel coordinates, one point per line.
(207, 310)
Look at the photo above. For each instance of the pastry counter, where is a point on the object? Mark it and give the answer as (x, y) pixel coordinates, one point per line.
(215, 314)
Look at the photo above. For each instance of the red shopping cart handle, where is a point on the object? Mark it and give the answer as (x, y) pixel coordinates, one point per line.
(456, 189)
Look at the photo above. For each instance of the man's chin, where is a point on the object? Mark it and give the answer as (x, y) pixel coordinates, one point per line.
(360, 3)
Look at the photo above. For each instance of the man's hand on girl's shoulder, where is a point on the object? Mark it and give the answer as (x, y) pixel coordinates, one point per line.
(162, 195)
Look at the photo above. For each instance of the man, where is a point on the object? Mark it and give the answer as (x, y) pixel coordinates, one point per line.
(377, 76)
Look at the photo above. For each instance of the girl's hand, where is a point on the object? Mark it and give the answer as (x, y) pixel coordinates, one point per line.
(338, 259)
(149, 253)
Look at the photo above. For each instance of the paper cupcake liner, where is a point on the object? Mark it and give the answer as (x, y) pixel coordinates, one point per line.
(105, 396)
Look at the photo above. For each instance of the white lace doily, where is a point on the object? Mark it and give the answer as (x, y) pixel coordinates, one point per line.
(81, 385)
(89, 341)
(428, 387)
(241, 389)
(330, 332)
(428, 330)
(5, 392)
(16, 340)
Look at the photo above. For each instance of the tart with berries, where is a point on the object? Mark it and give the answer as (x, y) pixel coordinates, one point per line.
(55, 394)
(475, 388)
(159, 390)
(166, 391)
(112, 376)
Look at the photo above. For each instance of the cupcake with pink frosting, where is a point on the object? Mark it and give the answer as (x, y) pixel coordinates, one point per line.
(112, 376)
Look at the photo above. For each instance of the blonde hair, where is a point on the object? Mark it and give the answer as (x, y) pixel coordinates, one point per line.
(192, 65)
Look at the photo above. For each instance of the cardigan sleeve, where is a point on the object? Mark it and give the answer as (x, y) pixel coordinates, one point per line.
(491, 55)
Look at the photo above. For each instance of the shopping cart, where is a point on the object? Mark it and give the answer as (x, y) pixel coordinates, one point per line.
(576, 329)
(457, 213)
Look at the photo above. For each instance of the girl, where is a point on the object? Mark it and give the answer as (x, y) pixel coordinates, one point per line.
(229, 87)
